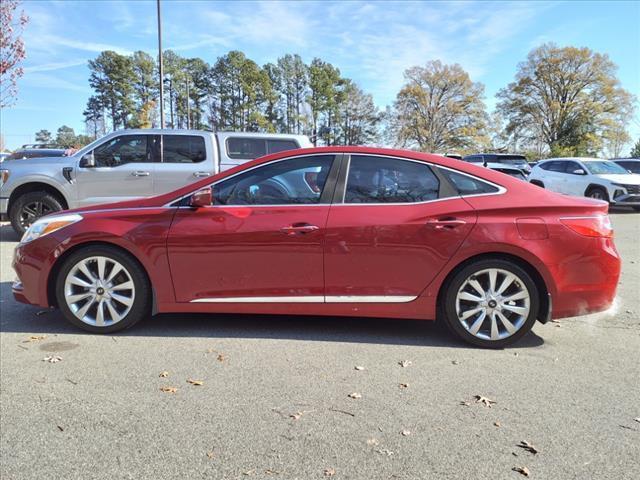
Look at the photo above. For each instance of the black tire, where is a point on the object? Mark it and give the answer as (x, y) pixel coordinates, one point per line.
(141, 307)
(598, 193)
(20, 212)
(453, 285)
(537, 183)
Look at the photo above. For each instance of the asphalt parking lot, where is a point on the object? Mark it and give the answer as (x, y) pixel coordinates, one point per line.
(274, 400)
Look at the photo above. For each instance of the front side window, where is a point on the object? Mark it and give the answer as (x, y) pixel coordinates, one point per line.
(183, 149)
(466, 185)
(287, 182)
(605, 167)
(389, 180)
(122, 150)
(571, 167)
(246, 148)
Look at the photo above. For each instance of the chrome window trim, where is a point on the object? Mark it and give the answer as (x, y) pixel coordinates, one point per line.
(311, 299)
(501, 190)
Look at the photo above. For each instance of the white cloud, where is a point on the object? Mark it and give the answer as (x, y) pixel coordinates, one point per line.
(47, 67)
(50, 82)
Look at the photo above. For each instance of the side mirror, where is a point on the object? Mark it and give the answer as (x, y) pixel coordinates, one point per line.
(579, 171)
(87, 161)
(202, 198)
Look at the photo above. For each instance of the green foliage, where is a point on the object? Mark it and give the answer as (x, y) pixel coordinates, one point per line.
(43, 136)
(635, 151)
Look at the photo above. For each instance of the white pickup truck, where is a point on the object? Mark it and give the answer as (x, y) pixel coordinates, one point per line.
(125, 165)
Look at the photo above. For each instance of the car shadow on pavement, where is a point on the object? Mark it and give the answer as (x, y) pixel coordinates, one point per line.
(7, 234)
(20, 318)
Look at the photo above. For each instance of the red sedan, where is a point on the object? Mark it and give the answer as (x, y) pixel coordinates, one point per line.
(331, 231)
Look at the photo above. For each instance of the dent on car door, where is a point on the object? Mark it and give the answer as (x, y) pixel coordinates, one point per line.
(391, 232)
(261, 240)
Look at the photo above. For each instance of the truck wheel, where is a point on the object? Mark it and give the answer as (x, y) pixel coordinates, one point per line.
(29, 207)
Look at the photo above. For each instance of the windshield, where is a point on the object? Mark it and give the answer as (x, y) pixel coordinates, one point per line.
(604, 167)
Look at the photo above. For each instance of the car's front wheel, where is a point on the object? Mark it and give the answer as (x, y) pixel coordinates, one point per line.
(491, 303)
(102, 289)
(598, 193)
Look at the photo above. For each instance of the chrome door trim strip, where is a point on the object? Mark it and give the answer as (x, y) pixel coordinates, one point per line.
(369, 298)
(296, 299)
(311, 299)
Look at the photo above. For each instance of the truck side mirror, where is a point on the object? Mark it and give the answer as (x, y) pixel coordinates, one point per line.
(202, 198)
(87, 161)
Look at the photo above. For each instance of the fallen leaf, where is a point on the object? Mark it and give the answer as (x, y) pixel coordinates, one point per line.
(405, 433)
(486, 401)
(329, 472)
(169, 389)
(42, 312)
(221, 358)
(404, 385)
(455, 362)
(296, 416)
(404, 363)
(164, 374)
(466, 404)
(52, 359)
(268, 471)
(195, 382)
(342, 411)
(354, 395)
(385, 451)
(372, 442)
(60, 428)
(497, 424)
(210, 454)
(34, 338)
(528, 447)
(358, 367)
(248, 472)
(521, 470)
(637, 419)
(211, 350)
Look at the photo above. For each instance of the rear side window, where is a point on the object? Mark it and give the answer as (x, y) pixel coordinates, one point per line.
(466, 185)
(553, 166)
(389, 180)
(183, 149)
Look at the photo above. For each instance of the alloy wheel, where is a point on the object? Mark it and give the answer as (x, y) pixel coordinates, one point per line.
(99, 291)
(33, 211)
(493, 304)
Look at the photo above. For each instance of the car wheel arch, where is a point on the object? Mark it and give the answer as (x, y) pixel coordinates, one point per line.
(592, 186)
(55, 269)
(538, 278)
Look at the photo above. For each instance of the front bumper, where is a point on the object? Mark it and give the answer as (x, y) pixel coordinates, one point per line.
(32, 263)
(627, 199)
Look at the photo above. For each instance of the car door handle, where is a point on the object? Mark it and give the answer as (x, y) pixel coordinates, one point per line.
(140, 173)
(445, 223)
(201, 174)
(298, 228)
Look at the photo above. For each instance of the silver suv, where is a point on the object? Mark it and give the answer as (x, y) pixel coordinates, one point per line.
(125, 165)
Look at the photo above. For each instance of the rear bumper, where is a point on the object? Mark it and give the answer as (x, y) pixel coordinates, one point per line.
(588, 284)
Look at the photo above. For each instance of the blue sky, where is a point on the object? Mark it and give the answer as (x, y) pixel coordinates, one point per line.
(371, 42)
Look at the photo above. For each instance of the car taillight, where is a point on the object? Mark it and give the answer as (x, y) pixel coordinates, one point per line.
(595, 226)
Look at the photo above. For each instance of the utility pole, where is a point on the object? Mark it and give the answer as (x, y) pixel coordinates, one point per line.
(188, 108)
(160, 66)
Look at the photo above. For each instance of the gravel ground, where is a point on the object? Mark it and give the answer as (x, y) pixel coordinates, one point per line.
(275, 402)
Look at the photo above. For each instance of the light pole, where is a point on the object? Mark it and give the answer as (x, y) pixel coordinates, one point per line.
(160, 66)
(188, 108)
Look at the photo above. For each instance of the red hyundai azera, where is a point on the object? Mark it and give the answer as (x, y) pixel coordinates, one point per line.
(331, 231)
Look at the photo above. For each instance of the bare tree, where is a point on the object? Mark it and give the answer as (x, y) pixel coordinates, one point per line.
(12, 51)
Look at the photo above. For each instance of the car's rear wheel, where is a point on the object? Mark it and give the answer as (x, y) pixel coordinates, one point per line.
(491, 303)
(598, 193)
(102, 289)
(30, 207)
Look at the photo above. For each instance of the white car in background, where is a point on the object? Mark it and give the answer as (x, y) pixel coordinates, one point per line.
(589, 177)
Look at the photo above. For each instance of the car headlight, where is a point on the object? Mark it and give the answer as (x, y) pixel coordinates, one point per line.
(47, 225)
(4, 176)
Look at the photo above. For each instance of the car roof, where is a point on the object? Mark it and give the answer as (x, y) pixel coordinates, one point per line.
(579, 159)
(502, 166)
(497, 155)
